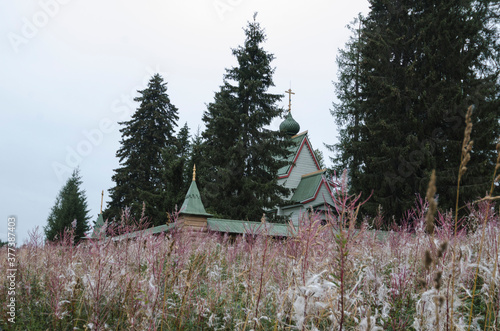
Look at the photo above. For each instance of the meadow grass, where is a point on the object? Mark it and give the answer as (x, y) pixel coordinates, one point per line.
(329, 276)
(435, 271)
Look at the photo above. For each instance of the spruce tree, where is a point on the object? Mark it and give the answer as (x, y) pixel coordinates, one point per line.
(70, 205)
(139, 179)
(347, 112)
(177, 175)
(241, 154)
(320, 158)
(405, 83)
(184, 154)
(462, 67)
(204, 174)
(196, 156)
(391, 124)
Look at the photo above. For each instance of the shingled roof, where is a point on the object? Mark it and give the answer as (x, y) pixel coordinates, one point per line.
(192, 203)
(309, 186)
(242, 227)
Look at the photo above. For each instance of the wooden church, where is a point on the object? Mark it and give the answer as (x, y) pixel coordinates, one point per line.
(311, 193)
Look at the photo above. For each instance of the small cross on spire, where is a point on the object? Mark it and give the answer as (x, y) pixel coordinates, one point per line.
(289, 99)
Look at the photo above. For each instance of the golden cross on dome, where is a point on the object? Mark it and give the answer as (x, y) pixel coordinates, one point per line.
(289, 99)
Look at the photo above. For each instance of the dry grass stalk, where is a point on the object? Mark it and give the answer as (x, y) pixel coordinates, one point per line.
(438, 302)
(428, 260)
(492, 285)
(488, 198)
(429, 226)
(368, 320)
(497, 166)
(464, 159)
(490, 302)
(437, 280)
(431, 192)
(467, 142)
(442, 249)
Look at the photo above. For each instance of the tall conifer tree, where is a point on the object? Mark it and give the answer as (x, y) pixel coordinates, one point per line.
(347, 112)
(243, 155)
(196, 156)
(144, 140)
(177, 175)
(411, 72)
(71, 205)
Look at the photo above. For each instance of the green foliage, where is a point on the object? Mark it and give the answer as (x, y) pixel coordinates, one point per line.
(177, 174)
(406, 79)
(241, 156)
(480, 306)
(195, 153)
(401, 312)
(320, 158)
(70, 205)
(148, 146)
(347, 112)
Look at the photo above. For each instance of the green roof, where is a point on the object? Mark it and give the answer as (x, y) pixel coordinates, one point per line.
(97, 228)
(236, 226)
(300, 205)
(297, 142)
(192, 203)
(153, 230)
(308, 186)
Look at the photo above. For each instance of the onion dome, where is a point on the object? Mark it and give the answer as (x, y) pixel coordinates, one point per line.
(289, 125)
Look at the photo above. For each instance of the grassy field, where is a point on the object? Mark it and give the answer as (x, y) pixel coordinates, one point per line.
(433, 272)
(327, 277)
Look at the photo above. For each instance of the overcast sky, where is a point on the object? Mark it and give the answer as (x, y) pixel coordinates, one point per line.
(69, 70)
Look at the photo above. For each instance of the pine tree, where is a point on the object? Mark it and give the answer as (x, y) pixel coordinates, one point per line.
(347, 112)
(405, 82)
(242, 155)
(391, 125)
(320, 158)
(196, 157)
(184, 154)
(204, 174)
(144, 140)
(462, 70)
(70, 205)
(177, 175)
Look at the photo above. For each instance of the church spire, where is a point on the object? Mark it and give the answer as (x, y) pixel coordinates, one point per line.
(192, 203)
